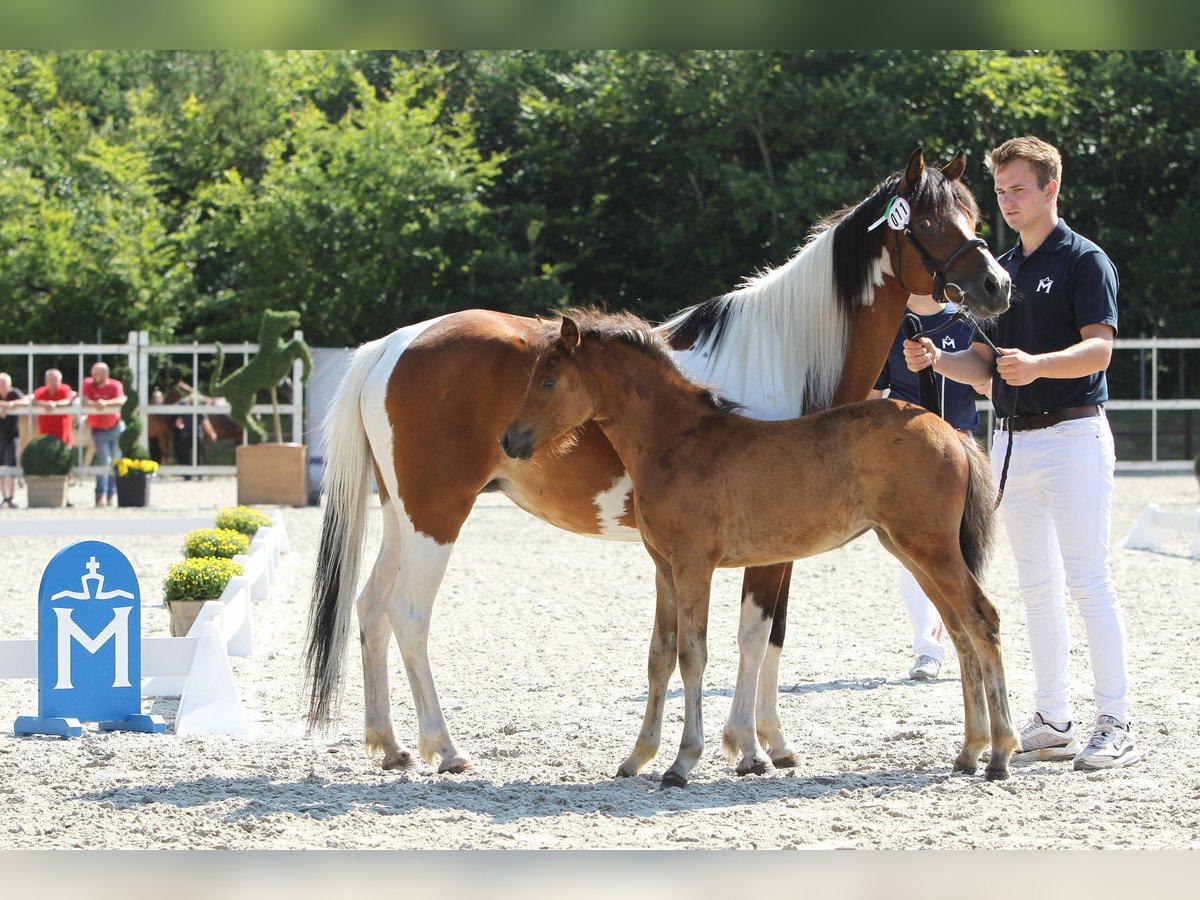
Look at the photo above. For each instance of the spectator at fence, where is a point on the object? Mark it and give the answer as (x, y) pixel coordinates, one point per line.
(54, 394)
(10, 435)
(103, 397)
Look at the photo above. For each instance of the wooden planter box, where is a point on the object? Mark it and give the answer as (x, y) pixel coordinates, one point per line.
(47, 490)
(272, 474)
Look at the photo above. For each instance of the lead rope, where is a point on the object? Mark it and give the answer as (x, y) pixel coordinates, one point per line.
(961, 316)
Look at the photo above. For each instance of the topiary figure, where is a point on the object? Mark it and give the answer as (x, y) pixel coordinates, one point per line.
(130, 440)
(270, 365)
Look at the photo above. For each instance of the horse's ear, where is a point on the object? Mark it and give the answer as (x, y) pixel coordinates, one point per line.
(954, 169)
(568, 339)
(914, 170)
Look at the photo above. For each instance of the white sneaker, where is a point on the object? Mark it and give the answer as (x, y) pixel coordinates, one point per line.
(926, 668)
(1112, 745)
(1042, 741)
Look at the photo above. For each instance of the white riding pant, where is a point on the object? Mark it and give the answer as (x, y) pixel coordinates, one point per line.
(926, 623)
(1056, 509)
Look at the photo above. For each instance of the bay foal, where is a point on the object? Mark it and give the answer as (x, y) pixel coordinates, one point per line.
(717, 490)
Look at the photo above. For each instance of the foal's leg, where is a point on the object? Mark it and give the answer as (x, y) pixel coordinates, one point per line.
(693, 583)
(374, 637)
(761, 582)
(659, 669)
(952, 586)
(740, 735)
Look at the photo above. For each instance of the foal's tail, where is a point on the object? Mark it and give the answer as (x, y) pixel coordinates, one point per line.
(977, 529)
(347, 485)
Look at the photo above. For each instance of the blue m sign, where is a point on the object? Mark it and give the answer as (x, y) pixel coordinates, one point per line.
(89, 643)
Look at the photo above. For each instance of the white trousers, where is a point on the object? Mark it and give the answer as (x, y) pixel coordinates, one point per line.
(926, 623)
(1056, 509)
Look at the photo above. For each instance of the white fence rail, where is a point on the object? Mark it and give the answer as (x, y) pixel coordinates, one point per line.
(137, 351)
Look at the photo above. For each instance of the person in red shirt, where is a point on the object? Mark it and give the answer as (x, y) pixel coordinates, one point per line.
(53, 394)
(103, 397)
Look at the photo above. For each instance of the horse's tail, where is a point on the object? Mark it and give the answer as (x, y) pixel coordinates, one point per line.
(347, 486)
(977, 530)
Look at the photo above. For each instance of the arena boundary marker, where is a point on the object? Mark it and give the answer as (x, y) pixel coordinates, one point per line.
(1147, 531)
(196, 668)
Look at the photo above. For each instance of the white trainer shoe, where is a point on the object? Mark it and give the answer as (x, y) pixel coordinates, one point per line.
(1112, 745)
(1041, 741)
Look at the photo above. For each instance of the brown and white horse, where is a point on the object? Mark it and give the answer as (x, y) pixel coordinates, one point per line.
(718, 490)
(424, 407)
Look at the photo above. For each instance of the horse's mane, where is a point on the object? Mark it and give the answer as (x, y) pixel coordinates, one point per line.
(626, 328)
(792, 321)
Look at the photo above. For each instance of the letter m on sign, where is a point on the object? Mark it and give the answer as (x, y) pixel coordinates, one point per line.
(89, 635)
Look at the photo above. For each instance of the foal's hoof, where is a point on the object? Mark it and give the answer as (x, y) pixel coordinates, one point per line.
(967, 767)
(400, 759)
(673, 779)
(996, 774)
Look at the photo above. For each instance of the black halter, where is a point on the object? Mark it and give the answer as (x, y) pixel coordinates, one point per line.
(937, 269)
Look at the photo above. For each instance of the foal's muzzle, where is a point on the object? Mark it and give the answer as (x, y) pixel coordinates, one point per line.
(517, 441)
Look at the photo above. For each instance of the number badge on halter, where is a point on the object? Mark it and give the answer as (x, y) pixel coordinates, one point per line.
(897, 215)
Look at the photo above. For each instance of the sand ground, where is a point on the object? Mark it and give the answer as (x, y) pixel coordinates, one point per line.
(539, 643)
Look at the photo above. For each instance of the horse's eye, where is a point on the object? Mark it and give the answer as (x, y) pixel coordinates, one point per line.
(548, 384)
(926, 224)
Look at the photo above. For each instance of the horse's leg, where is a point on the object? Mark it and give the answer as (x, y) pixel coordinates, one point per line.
(374, 638)
(693, 582)
(423, 564)
(659, 668)
(740, 735)
(758, 582)
(950, 585)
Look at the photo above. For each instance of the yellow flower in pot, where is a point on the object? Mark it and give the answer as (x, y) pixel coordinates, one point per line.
(191, 583)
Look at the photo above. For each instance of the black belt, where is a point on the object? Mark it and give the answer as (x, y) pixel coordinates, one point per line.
(1048, 420)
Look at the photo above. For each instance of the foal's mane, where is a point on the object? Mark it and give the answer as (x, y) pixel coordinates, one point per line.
(793, 320)
(625, 328)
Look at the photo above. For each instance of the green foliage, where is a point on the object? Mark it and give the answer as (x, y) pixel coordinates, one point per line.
(47, 454)
(203, 578)
(245, 519)
(184, 193)
(270, 365)
(130, 440)
(223, 542)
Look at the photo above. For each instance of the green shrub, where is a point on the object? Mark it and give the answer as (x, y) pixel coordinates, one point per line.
(204, 578)
(242, 518)
(222, 542)
(46, 455)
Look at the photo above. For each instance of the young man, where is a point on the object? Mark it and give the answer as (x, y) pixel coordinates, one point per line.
(958, 408)
(1049, 389)
(55, 393)
(11, 398)
(103, 396)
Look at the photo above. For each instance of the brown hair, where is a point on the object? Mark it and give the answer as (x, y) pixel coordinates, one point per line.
(1045, 158)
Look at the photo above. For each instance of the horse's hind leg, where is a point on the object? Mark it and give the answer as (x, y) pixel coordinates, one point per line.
(374, 639)
(659, 668)
(423, 563)
(763, 581)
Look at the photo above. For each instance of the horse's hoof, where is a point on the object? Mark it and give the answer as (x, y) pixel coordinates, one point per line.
(755, 767)
(673, 779)
(402, 760)
(789, 759)
(967, 768)
(996, 774)
(626, 772)
(454, 767)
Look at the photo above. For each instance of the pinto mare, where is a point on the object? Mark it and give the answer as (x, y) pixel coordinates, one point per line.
(423, 408)
(717, 490)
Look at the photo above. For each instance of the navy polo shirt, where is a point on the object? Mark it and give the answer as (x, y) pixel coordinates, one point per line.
(958, 400)
(1066, 283)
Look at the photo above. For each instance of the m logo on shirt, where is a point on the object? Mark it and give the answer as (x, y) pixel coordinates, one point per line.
(948, 343)
(1044, 285)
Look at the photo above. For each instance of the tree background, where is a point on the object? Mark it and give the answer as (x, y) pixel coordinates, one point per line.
(184, 192)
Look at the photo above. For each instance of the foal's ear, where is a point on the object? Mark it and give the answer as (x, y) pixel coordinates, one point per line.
(954, 169)
(914, 170)
(568, 339)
